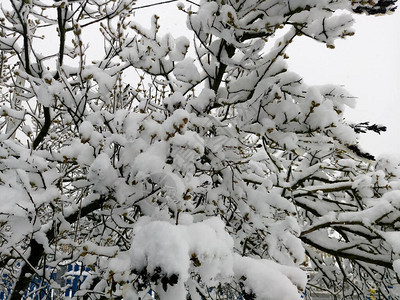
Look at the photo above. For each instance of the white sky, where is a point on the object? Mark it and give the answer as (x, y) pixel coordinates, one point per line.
(367, 64)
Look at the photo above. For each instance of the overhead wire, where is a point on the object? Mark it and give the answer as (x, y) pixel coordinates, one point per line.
(161, 3)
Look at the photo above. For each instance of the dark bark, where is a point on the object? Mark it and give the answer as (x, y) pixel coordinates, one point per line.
(350, 256)
(36, 254)
(37, 250)
(45, 128)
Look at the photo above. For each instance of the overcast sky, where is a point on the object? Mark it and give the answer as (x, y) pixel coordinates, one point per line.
(367, 64)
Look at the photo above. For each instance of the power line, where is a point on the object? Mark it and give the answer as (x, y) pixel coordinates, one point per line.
(161, 3)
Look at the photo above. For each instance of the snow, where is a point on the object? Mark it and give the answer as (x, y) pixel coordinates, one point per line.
(393, 239)
(174, 101)
(190, 167)
(268, 280)
(173, 248)
(202, 101)
(104, 81)
(86, 129)
(181, 46)
(396, 266)
(152, 161)
(14, 202)
(101, 173)
(186, 71)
